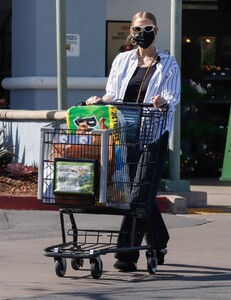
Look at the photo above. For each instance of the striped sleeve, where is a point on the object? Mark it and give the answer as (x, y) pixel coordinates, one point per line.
(171, 85)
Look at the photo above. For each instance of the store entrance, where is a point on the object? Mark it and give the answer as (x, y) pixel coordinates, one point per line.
(5, 49)
(206, 86)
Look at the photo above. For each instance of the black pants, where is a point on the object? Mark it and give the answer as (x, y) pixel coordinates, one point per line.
(146, 193)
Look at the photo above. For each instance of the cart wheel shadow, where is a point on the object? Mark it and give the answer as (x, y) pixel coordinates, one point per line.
(176, 272)
(116, 277)
(193, 272)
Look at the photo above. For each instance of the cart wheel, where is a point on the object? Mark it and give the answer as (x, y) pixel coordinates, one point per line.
(151, 262)
(60, 267)
(76, 263)
(96, 267)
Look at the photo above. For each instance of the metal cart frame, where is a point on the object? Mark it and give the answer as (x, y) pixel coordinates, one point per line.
(91, 243)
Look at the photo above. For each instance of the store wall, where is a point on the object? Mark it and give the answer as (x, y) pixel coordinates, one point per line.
(34, 47)
(34, 44)
(124, 10)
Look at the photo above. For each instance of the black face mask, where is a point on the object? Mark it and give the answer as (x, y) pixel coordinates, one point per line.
(144, 39)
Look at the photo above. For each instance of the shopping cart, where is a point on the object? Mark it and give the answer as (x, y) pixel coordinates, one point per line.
(94, 172)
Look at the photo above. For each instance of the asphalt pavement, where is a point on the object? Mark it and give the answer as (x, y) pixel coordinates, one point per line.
(197, 265)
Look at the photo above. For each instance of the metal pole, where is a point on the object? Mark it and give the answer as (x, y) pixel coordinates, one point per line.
(174, 154)
(61, 54)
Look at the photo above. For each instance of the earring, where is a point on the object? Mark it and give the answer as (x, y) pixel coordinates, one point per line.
(133, 42)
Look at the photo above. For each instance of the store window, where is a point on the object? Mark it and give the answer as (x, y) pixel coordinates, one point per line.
(197, 52)
(226, 52)
(208, 50)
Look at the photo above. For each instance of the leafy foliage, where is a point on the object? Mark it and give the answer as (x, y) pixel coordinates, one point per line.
(20, 170)
(191, 92)
(6, 150)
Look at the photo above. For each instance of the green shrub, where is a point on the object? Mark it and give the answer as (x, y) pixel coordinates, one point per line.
(6, 149)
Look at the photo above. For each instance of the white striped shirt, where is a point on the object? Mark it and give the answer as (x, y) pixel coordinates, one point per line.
(165, 80)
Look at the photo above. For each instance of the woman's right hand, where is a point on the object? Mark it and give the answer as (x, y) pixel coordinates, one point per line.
(93, 100)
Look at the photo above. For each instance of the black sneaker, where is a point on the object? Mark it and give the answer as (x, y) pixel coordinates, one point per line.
(160, 256)
(125, 266)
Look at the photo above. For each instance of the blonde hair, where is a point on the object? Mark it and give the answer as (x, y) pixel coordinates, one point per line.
(144, 14)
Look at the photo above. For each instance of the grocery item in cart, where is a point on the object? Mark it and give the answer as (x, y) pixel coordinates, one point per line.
(87, 118)
(82, 120)
(81, 137)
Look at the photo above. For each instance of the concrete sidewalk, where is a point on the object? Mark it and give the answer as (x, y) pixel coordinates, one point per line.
(206, 195)
(218, 192)
(218, 195)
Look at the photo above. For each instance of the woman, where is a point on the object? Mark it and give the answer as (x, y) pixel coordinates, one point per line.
(144, 75)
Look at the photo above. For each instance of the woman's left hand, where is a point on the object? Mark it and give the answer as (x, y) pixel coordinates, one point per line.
(158, 101)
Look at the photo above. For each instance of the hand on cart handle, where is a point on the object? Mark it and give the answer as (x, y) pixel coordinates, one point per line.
(93, 100)
(159, 102)
(97, 100)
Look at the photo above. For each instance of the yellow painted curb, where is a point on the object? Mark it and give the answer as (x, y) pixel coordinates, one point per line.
(209, 210)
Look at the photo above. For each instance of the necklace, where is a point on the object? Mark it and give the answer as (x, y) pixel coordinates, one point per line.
(144, 61)
(145, 76)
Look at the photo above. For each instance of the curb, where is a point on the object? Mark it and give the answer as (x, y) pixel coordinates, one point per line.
(32, 203)
(215, 210)
(170, 204)
(164, 204)
(24, 203)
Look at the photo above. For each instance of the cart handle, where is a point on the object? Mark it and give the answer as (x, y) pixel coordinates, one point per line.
(119, 102)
